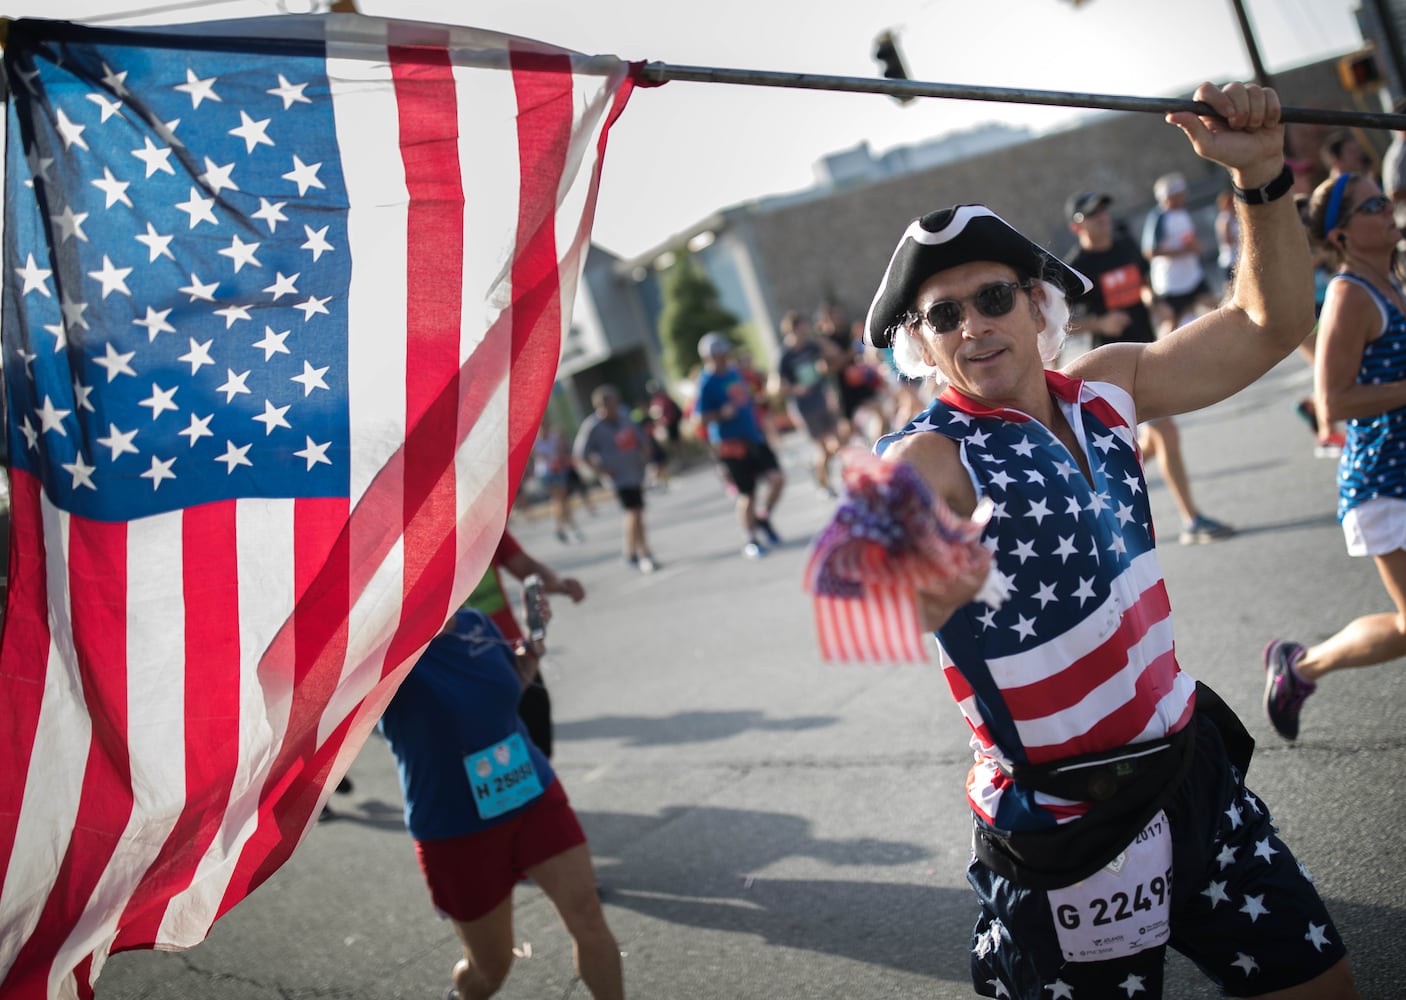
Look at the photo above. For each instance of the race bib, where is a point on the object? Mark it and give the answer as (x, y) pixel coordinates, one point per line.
(502, 777)
(1125, 906)
(1121, 287)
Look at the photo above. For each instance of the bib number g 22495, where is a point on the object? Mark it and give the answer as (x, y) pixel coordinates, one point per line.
(1125, 906)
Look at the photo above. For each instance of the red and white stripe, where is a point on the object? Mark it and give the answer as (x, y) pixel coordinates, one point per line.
(1112, 680)
(184, 691)
(882, 627)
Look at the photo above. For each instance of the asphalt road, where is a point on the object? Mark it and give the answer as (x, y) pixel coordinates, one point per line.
(768, 826)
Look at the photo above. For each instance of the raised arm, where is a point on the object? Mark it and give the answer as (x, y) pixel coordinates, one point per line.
(1270, 308)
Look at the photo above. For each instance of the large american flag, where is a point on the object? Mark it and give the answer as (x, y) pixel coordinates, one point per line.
(283, 302)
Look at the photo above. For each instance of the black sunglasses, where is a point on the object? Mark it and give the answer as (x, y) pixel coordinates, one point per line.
(993, 300)
(1374, 205)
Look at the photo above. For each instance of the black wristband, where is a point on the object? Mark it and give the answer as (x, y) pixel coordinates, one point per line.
(1276, 188)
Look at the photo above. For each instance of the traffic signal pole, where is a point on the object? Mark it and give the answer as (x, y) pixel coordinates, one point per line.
(1252, 49)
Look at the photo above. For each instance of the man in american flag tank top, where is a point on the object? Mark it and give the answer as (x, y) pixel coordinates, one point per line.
(1111, 818)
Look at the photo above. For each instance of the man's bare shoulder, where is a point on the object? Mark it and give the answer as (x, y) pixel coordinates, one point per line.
(1115, 363)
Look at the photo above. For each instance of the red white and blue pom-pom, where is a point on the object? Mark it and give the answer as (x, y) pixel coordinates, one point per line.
(888, 538)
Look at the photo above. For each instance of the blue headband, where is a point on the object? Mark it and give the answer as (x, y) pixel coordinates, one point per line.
(1335, 203)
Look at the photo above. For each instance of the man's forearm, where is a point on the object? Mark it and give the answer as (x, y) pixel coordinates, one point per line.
(1273, 275)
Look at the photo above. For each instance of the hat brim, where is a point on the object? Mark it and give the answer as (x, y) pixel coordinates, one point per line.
(951, 237)
(1090, 207)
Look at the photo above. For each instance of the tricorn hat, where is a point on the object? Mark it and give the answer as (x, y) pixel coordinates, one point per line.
(953, 236)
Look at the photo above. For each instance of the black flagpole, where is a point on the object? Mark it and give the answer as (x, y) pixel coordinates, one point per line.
(658, 72)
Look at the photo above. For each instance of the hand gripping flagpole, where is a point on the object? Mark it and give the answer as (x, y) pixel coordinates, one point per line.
(658, 72)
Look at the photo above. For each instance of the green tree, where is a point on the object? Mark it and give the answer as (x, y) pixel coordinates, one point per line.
(691, 309)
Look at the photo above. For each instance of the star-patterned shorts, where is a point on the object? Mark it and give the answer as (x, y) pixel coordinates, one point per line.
(1243, 909)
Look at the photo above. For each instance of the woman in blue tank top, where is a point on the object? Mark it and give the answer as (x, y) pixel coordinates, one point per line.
(1360, 378)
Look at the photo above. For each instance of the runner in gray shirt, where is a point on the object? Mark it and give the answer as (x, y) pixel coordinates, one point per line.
(615, 447)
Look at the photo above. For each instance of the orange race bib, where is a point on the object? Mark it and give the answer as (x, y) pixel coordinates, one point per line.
(1121, 287)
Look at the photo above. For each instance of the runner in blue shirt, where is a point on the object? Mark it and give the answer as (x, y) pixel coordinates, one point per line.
(486, 810)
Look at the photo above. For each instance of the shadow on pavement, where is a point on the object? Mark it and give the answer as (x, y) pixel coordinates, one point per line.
(367, 812)
(715, 869)
(683, 727)
(1328, 520)
(908, 928)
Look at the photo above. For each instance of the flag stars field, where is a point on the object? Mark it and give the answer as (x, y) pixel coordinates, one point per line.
(82, 473)
(71, 132)
(254, 133)
(155, 322)
(316, 242)
(233, 314)
(81, 394)
(198, 89)
(36, 278)
(160, 400)
(73, 311)
(111, 277)
(282, 285)
(217, 178)
(198, 356)
(157, 244)
(198, 428)
(159, 472)
(51, 417)
(163, 188)
(270, 213)
(290, 93)
(304, 175)
(198, 209)
(109, 107)
(71, 224)
(114, 190)
(241, 253)
(154, 158)
(272, 343)
(311, 378)
(115, 363)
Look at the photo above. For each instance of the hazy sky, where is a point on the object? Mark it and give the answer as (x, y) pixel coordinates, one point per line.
(683, 150)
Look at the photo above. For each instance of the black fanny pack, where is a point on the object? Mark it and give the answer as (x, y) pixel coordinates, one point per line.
(1098, 777)
(1126, 786)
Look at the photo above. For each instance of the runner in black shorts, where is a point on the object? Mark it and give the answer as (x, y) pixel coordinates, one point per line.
(725, 407)
(754, 459)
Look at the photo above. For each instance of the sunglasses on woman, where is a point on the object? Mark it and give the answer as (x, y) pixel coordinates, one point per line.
(1374, 205)
(992, 300)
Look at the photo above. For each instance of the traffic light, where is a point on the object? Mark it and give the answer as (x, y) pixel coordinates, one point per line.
(886, 53)
(1358, 71)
